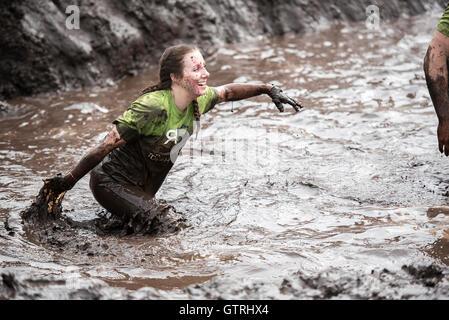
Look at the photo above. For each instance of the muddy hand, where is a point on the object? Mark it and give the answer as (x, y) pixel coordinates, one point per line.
(54, 190)
(443, 137)
(279, 98)
(52, 193)
(57, 184)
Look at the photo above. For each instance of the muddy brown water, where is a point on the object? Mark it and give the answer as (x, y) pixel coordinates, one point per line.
(347, 199)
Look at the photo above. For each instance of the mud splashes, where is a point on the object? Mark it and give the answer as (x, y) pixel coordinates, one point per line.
(45, 224)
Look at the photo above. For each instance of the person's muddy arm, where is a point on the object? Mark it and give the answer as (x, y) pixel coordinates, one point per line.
(89, 161)
(436, 72)
(240, 91)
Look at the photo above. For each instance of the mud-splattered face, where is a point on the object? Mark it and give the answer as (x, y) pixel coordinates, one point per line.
(195, 74)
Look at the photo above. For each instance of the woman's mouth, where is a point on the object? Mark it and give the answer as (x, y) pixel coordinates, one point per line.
(199, 85)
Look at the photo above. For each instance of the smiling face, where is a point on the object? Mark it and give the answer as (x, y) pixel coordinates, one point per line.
(195, 75)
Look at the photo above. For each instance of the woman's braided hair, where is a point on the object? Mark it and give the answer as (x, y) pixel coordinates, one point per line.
(171, 62)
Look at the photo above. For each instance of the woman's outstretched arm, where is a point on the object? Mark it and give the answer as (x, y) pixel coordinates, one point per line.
(239, 91)
(87, 163)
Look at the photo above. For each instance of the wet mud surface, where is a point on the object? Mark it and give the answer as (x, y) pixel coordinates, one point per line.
(347, 199)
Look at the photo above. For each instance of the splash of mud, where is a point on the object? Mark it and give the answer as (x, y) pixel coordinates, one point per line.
(47, 206)
(45, 223)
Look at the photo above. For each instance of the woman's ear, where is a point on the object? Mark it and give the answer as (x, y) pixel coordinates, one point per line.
(172, 77)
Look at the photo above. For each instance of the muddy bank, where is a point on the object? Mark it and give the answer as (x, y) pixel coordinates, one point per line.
(38, 53)
(408, 283)
(4, 107)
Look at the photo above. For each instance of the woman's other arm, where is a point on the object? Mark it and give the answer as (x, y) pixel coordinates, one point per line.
(435, 69)
(240, 91)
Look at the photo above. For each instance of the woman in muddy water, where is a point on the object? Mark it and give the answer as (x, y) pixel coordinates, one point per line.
(129, 166)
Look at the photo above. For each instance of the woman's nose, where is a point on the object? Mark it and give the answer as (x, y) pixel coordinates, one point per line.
(205, 73)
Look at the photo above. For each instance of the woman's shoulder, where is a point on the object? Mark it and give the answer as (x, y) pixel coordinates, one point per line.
(210, 96)
(156, 99)
(210, 93)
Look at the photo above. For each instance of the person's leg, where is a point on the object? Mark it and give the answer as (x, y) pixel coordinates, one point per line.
(132, 205)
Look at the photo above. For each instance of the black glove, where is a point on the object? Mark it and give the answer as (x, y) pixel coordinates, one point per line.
(279, 97)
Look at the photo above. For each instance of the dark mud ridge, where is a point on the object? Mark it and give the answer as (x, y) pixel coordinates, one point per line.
(4, 107)
(410, 282)
(38, 53)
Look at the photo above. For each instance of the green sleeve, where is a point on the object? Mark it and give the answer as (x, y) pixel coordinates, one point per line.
(140, 120)
(443, 25)
(126, 133)
(208, 100)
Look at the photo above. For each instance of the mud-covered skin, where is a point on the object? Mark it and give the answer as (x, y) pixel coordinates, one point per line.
(59, 184)
(436, 72)
(94, 156)
(196, 75)
(238, 91)
(279, 97)
(192, 81)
